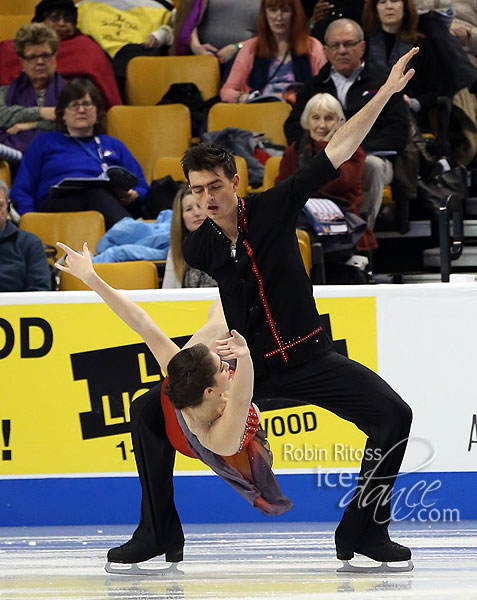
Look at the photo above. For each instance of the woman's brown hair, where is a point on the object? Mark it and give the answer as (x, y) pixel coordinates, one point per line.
(408, 32)
(75, 89)
(299, 29)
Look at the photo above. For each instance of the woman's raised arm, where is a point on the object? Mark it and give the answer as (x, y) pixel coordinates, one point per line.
(225, 434)
(81, 266)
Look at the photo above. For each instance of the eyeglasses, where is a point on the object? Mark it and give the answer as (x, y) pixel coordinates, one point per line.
(68, 17)
(75, 105)
(348, 44)
(36, 57)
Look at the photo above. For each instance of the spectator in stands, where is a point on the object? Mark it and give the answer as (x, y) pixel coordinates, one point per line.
(127, 29)
(78, 55)
(78, 149)
(218, 27)
(283, 54)
(323, 12)
(391, 31)
(23, 260)
(27, 105)
(437, 23)
(354, 82)
(464, 26)
(187, 216)
(321, 118)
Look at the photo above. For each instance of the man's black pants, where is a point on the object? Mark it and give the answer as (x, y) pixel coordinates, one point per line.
(333, 382)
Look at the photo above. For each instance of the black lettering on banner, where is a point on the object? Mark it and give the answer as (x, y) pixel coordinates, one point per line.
(115, 377)
(309, 419)
(9, 338)
(473, 433)
(6, 431)
(26, 351)
(294, 423)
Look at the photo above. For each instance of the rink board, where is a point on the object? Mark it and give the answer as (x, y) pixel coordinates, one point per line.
(69, 370)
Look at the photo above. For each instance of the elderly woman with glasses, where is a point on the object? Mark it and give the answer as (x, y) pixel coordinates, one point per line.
(78, 149)
(27, 105)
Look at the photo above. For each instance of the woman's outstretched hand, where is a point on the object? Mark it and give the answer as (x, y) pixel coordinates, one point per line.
(398, 79)
(79, 265)
(233, 347)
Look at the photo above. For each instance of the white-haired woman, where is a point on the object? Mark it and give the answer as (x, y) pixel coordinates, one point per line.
(322, 117)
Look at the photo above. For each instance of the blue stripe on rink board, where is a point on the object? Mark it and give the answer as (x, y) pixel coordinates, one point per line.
(424, 497)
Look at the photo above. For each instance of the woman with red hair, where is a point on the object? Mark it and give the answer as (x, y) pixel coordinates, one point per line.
(282, 55)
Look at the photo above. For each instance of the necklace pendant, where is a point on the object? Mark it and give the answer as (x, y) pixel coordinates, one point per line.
(233, 250)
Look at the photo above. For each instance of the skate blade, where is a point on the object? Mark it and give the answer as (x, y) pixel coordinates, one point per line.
(134, 569)
(384, 567)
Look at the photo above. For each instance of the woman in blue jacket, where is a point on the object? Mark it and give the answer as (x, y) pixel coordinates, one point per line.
(78, 148)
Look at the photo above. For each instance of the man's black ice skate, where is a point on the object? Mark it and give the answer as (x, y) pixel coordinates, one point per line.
(384, 552)
(134, 552)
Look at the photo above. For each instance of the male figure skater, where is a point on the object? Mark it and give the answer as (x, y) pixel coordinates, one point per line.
(249, 246)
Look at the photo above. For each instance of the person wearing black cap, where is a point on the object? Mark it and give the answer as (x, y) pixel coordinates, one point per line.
(77, 56)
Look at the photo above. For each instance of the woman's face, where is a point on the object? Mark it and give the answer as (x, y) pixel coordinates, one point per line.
(390, 14)
(279, 20)
(322, 123)
(80, 116)
(62, 22)
(39, 63)
(192, 214)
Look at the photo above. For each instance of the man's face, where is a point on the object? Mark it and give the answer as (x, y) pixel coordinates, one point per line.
(216, 194)
(343, 48)
(3, 209)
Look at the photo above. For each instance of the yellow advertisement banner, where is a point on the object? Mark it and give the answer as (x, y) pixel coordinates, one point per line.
(69, 373)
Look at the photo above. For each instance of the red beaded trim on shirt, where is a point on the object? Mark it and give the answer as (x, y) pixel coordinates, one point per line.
(294, 342)
(243, 216)
(263, 299)
(251, 426)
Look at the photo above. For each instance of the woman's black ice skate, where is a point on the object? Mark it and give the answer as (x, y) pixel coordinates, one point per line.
(135, 551)
(385, 553)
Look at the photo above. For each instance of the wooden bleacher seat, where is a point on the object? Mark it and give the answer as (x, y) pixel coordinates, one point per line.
(5, 174)
(266, 117)
(10, 24)
(130, 275)
(71, 228)
(18, 7)
(150, 132)
(305, 249)
(148, 77)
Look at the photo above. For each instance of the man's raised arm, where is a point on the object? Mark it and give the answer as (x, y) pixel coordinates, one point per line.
(346, 140)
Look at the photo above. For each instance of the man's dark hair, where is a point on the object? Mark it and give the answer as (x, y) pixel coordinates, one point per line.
(75, 89)
(207, 157)
(190, 372)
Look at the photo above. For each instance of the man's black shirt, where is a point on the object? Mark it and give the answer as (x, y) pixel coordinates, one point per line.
(265, 291)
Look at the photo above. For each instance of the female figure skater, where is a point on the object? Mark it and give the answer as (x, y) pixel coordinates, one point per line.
(217, 421)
